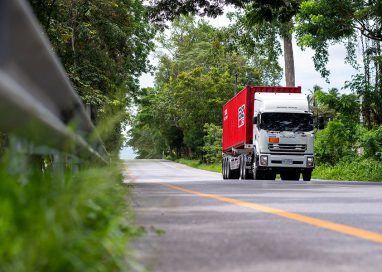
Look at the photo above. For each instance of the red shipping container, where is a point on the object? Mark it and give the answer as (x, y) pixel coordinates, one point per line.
(238, 115)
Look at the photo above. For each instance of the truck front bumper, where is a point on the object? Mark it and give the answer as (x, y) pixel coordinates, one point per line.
(285, 161)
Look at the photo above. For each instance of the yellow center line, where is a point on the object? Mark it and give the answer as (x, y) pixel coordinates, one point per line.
(352, 231)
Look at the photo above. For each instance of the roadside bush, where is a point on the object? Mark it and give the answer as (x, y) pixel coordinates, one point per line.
(359, 169)
(371, 141)
(76, 223)
(337, 141)
(212, 147)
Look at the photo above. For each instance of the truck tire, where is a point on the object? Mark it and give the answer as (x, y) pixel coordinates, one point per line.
(241, 166)
(224, 168)
(307, 175)
(227, 169)
(236, 173)
(231, 173)
(244, 172)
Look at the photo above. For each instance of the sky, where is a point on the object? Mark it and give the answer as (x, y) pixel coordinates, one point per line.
(306, 75)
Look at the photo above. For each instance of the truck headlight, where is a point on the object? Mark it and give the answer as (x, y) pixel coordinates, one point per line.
(263, 160)
(310, 162)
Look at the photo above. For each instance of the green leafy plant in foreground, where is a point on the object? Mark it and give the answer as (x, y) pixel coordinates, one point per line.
(80, 222)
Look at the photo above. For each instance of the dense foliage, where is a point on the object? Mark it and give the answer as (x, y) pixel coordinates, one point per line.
(59, 213)
(199, 70)
(277, 15)
(323, 22)
(103, 46)
(76, 222)
(182, 98)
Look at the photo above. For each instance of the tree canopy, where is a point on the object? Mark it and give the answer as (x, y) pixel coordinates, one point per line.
(200, 68)
(103, 46)
(257, 12)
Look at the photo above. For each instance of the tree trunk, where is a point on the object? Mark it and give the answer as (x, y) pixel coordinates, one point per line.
(288, 58)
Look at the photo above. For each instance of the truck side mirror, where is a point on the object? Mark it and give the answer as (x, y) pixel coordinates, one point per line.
(254, 120)
(321, 122)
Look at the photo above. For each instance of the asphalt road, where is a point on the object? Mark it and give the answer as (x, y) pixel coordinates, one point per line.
(195, 221)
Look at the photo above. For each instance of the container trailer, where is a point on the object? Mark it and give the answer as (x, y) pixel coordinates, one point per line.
(268, 131)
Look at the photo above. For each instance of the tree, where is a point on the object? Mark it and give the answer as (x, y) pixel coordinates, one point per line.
(281, 14)
(258, 44)
(341, 137)
(199, 70)
(212, 147)
(322, 22)
(103, 46)
(257, 11)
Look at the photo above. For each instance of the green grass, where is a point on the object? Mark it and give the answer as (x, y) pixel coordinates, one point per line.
(217, 167)
(81, 222)
(357, 170)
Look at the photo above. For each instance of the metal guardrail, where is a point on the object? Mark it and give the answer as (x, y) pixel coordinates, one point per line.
(37, 100)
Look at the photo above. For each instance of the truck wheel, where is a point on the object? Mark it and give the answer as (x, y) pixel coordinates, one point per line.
(224, 170)
(236, 174)
(232, 173)
(228, 170)
(244, 172)
(241, 167)
(307, 175)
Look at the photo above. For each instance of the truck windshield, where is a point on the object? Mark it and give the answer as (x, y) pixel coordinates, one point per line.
(281, 121)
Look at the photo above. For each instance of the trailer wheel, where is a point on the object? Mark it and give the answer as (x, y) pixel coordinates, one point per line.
(230, 173)
(241, 167)
(244, 172)
(307, 175)
(236, 174)
(225, 168)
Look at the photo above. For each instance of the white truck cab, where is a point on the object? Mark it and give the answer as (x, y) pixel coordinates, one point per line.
(283, 136)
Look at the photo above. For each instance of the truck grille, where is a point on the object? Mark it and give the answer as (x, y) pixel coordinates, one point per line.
(288, 148)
